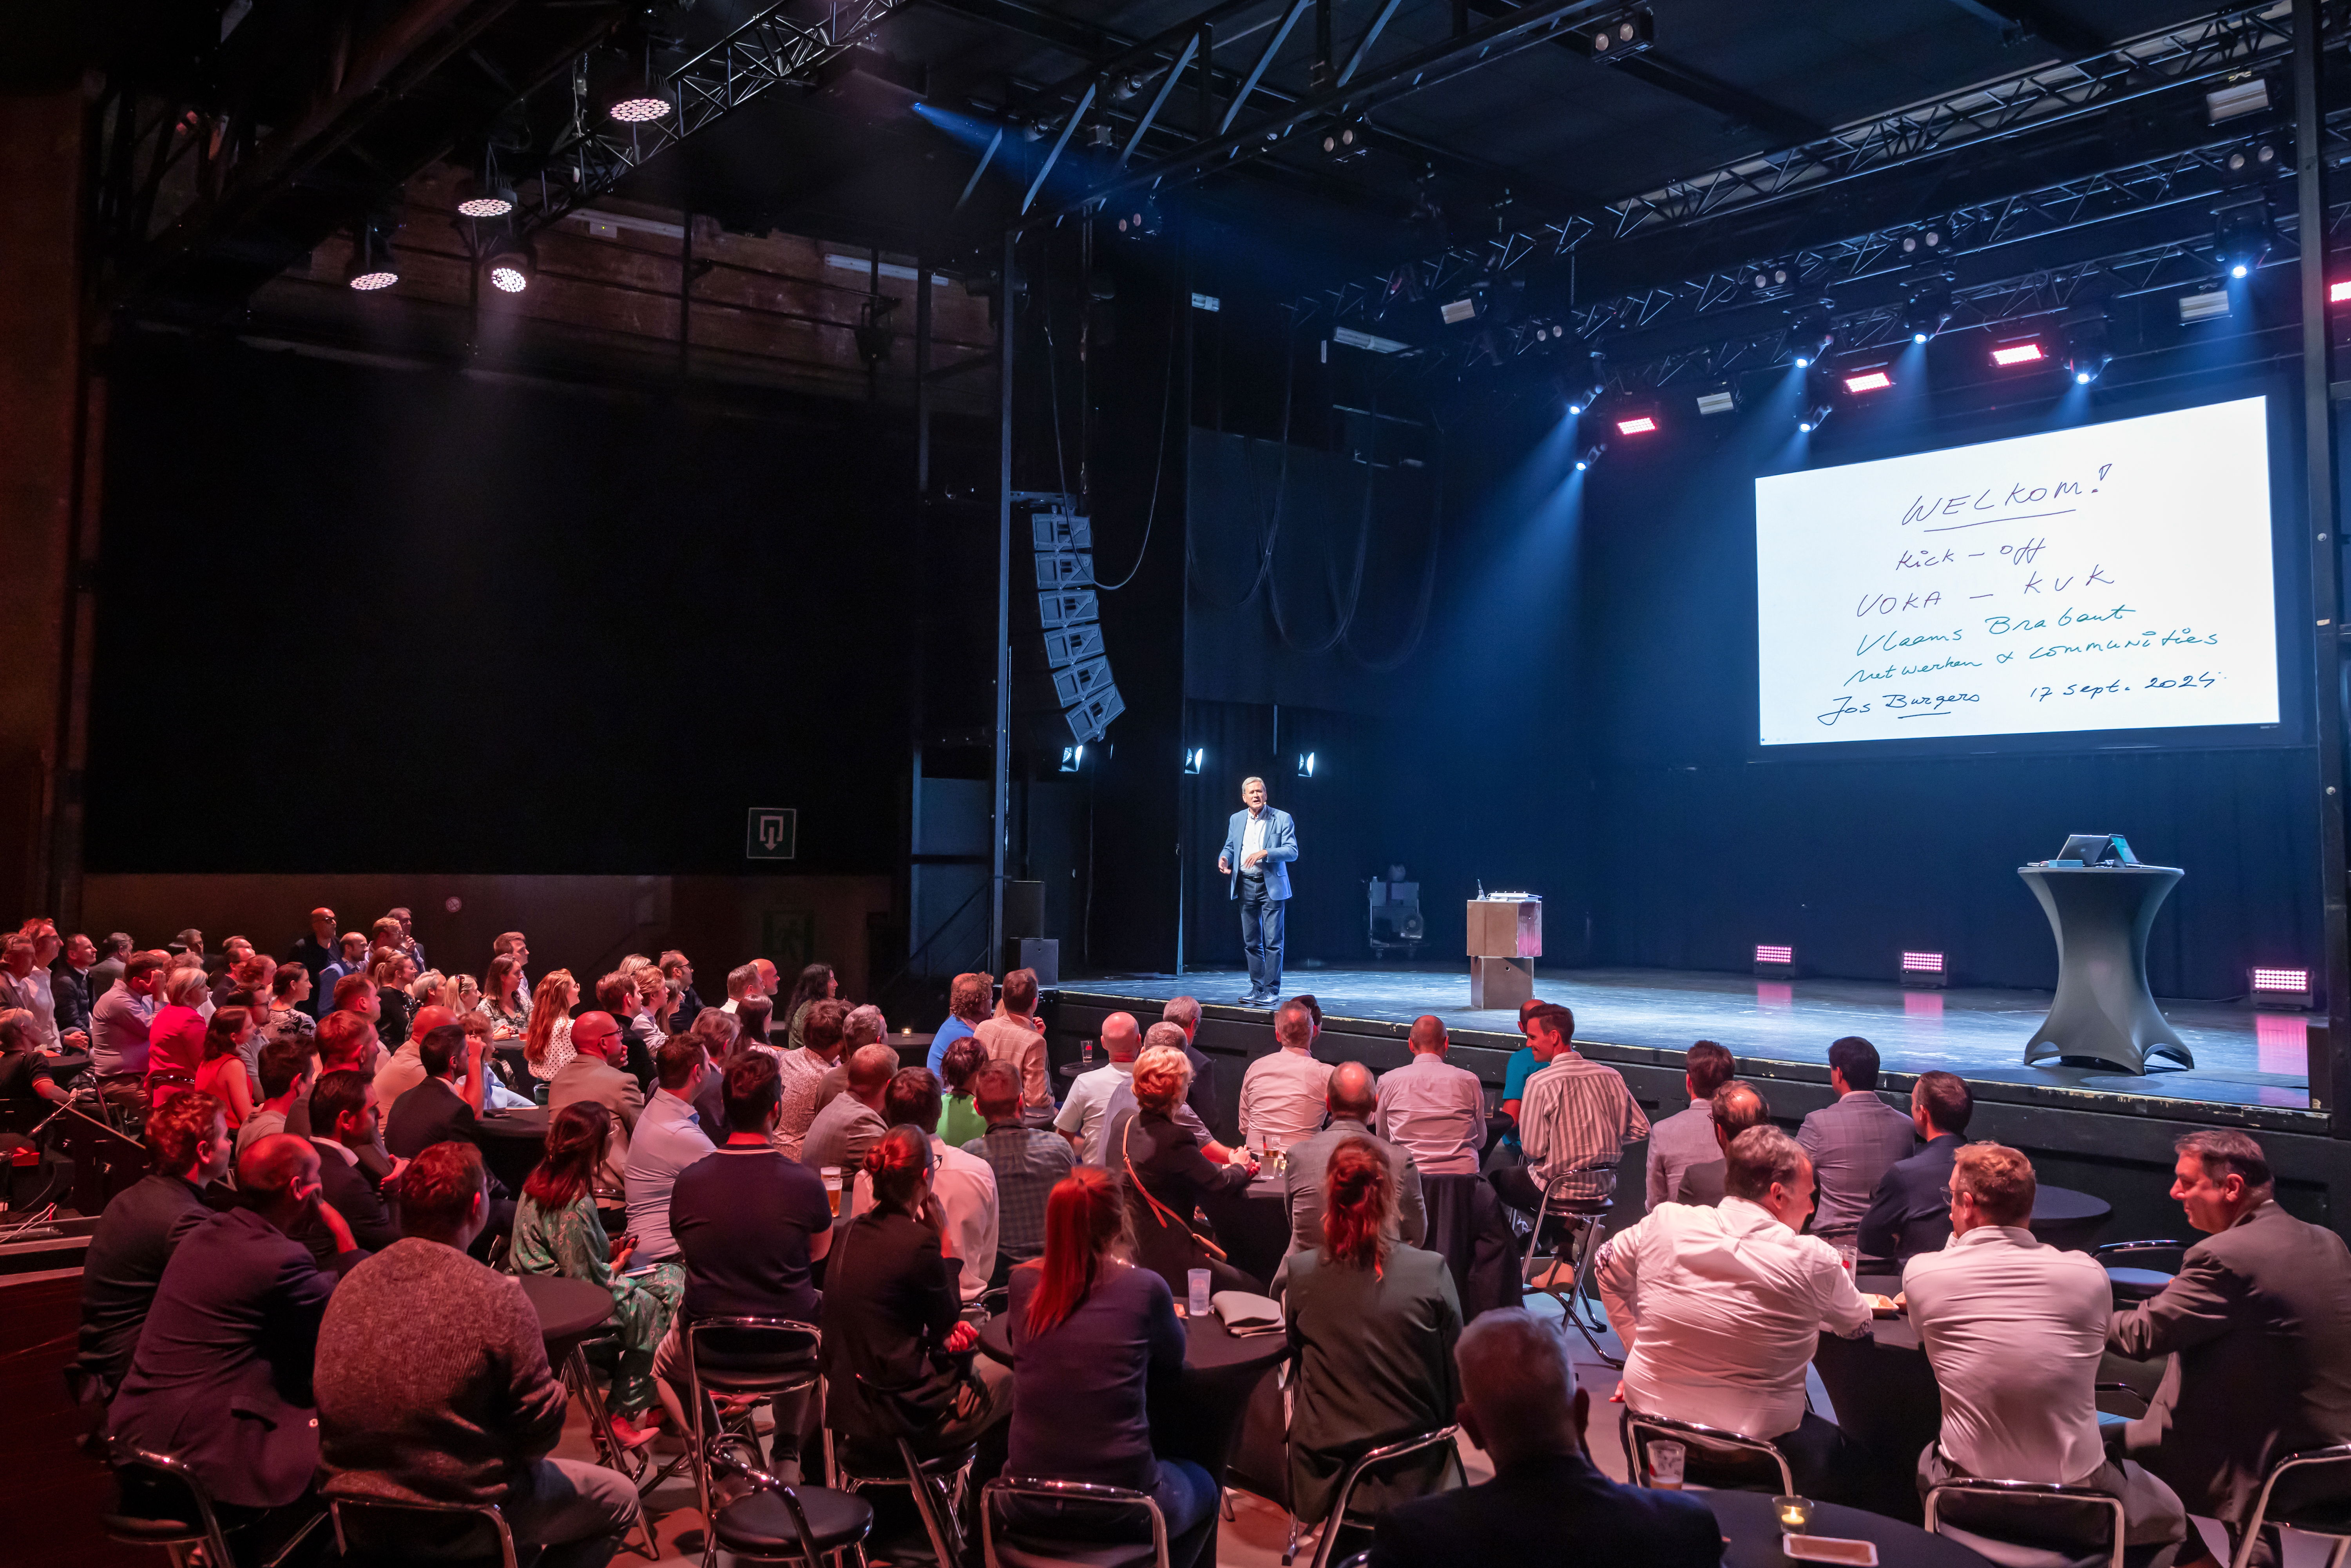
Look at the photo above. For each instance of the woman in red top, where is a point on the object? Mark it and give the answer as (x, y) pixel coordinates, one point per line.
(222, 1072)
(175, 1040)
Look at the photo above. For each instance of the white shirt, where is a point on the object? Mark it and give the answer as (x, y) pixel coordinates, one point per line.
(965, 1185)
(37, 990)
(2014, 1330)
(1282, 1100)
(1726, 1306)
(1436, 1111)
(1253, 838)
(1089, 1093)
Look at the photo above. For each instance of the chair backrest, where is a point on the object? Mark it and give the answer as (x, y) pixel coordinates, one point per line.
(1632, 1426)
(1568, 1191)
(1087, 1499)
(160, 1501)
(396, 1534)
(2317, 1500)
(1366, 1463)
(753, 1355)
(2031, 1514)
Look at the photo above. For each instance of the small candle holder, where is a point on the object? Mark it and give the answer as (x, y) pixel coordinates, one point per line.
(1794, 1514)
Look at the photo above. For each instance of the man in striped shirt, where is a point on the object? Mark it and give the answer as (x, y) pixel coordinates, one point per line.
(1575, 1116)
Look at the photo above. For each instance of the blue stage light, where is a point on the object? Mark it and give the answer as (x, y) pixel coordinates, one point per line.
(2239, 270)
(1918, 337)
(1803, 363)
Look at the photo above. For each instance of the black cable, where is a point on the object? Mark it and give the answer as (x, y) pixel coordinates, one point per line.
(1159, 468)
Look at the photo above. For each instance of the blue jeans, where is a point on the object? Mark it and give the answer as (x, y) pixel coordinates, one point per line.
(1261, 937)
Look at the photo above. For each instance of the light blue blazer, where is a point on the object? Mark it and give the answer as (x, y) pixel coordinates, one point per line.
(1280, 849)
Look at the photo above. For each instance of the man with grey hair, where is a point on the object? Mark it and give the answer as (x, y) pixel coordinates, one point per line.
(851, 1124)
(1351, 1098)
(1721, 1308)
(2257, 1325)
(1520, 1404)
(1184, 1012)
(1282, 1092)
(1260, 843)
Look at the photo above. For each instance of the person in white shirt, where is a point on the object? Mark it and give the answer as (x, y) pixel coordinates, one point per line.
(963, 1184)
(1720, 1309)
(1283, 1093)
(742, 981)
(1433, 1110)
(1082, 1112)
(2015, 1332)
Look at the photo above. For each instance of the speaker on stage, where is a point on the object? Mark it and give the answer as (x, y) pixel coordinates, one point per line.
(1042, 953)
(1024, 911)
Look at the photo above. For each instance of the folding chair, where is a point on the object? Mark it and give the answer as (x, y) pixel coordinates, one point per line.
(2329, 1517)
(2069, 1513)
(384, 1533)
(1362, 1464)
(1030, 1548)
(161, 1502)
(1579, 1203)
(1633, 1423)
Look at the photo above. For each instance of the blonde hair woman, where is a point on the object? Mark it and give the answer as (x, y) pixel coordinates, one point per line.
(546, 1043)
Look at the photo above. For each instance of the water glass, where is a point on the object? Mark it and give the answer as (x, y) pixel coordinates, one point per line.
(1666, 1464)
(1197, 1279)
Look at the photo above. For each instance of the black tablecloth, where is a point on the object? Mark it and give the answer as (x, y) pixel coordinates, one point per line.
(1753, 1533)
(2063, 1216)
(568, 1310)
(512, 1142)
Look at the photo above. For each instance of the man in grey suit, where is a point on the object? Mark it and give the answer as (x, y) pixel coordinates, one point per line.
(591, 1075)
(1854, 1141)
(1259, 845)
(2258, 1327)
(1351, 1096)
(1685, 1158)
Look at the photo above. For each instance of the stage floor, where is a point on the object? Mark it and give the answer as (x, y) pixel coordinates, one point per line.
(2243, 1057)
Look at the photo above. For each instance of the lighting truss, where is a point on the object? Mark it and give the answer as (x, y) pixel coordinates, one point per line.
(771, 49)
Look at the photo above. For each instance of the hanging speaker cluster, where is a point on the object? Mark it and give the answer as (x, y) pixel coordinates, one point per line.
(1071, 611)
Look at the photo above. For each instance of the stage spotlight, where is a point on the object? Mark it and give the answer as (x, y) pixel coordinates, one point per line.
(1767, 279)
(1809, 333)
(1142, 219)
(1589, 455)
(2246, 164)
(1073, 758)
(371, 265)
(1126, 87)
(2086, 354)
(1581, 395)
(1924, 969)
(1306, 765)
(512, 267)
(1618, 37)
(2279, 987)
(2025, 351)
(1814, 416)
(1195, 758)
(1722, 397)
(2242, 234)
(1928, 309)
(1869, 381)
(1342, 141)
(1924, 241)
(631, 90)
(2235, 100)
(2336, 293)
(485, 195)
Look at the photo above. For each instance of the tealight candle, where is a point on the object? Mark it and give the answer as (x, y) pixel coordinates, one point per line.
(1795, 1513)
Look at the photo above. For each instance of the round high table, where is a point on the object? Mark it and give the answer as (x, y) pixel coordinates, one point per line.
(2103, 1010)
(1197, 1417)
(512, 1141)
(1752, 1534)
(568, 1310)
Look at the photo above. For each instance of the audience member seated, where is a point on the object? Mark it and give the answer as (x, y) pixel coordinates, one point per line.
(1122, 1098)
(591, 1076)
(678, 970)
(716, 1031)
(1911, 1212)
(2015, 1332)
(1372, 1325)
(403, 1070)
(1028, 1161)
(1349, 1099)
(26, 984)
(343, 1106)
(1525, 1062)
(865, 1026)
(669, 1141)
(1090, 1333)
(1282, 1091)
(1434, 1112)
(1547, 1502)
(347, 1043)
(221, 1071)
(960, 1121)
(351, 958)
(221, 1380)
(313, 953)
(393, 975)
(963, 1184)
(1737, 1106)
(23, 1067)
(967, 1000)
(803, 1074)
(1575, 1116)
(616, 997)
(439, 1108)
(546, 1041)
(816, 983)
(188, 1145)
(1684, 1158)
(287, 1072)
(1184, 1012)
(119, 1022)
(76, 987)
(1083, 1112)
(1721, 1308)
(846, 1131)
(503, 1002)
(1853, 1141)
(1015, 1036)
(175, 1039)
(1167, 1178)
(473, 1419)
(556, 1230)
(2258, 1327)
(753, 1016)
(289, 1016)
(750, 1224)
(896, 1361)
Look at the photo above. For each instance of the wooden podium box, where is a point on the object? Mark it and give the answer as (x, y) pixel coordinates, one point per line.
(1505, 940)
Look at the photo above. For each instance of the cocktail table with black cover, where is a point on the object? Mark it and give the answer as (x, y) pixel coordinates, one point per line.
(512, 1142)
(568, 1310)
(2103, 1010)
(1751, 1530)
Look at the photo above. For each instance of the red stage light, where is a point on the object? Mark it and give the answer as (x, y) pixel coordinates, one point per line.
(2281, 980)
(1868, 380)
(1766, 952)
(1922, 963)
(2336, 293)
(1639, 424)
(2017, 354)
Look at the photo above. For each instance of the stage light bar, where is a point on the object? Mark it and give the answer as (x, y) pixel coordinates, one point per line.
(2279, 987)
(1351, 339)
(1638, 424)
(1457, 311)
(2236, 100)
(1774, 960)
(1720, 398)
(1923, 970)
(1869, 381)
(2212, 305)
(2025, 353)
(2336, 293)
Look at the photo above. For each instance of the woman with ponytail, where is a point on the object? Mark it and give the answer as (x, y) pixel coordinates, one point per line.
(894, 1340)
(1371, 1326)
(1089, 1330)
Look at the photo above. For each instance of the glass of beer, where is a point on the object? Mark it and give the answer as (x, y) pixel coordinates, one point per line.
(832, 1174)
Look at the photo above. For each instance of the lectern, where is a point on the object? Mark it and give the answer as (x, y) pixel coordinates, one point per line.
(1505, 940)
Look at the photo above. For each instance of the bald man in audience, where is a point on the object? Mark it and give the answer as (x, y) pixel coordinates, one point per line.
(1122, 1097)
(1547, 1502)
(1082, 1113)
(1350, 1099)
(1434, 1109)
(594, 1073)
(851, 1124)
